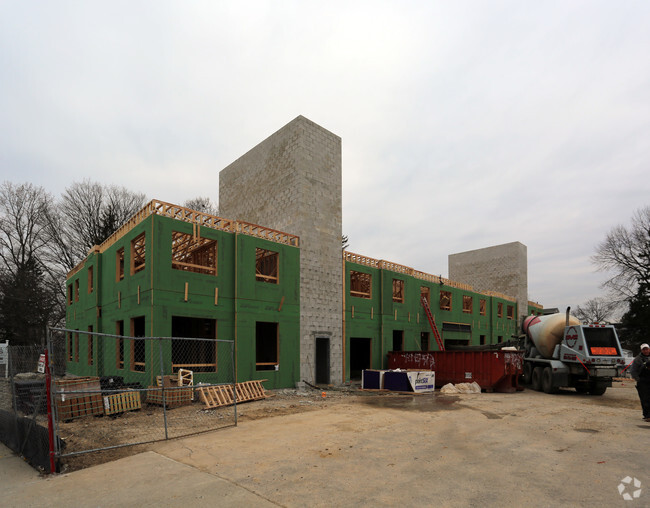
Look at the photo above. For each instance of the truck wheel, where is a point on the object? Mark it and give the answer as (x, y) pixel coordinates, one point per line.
(547, 381)
(597, 388)
(528, 373)
(537, 379)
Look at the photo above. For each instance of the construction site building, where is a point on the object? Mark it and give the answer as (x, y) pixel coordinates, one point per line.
(298, 308)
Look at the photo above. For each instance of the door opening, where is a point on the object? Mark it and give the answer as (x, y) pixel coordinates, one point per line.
(322, 360)
(360, 356)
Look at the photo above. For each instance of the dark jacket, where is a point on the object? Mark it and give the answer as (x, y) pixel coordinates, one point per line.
(640, 369)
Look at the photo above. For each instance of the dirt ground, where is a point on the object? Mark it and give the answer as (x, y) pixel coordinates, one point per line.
(490, 449)
(147, 424)
(354, 448)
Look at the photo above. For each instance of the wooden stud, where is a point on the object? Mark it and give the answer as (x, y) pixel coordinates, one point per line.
(409, 317)
(138, 295)
(119, 299)
(372, 312)
(395, 314)
(216, 296)
(353, 312)
(187, 285)
(281, 304)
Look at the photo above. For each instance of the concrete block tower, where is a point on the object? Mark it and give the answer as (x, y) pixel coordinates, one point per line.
(292, 181)
(502, 268)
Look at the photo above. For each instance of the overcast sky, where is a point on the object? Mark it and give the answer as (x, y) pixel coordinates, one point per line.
(465, 124)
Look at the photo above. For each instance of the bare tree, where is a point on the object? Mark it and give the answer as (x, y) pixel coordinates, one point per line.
(24, 229)
(88, 214)
(29, 296)
(596, 310)
(202, 204)
(626, 253)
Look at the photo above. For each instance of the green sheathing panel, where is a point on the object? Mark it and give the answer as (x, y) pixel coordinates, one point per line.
(114, 300)
(159, 292)
(378, 317)
(503, 328)
(266, 302)
(81, 314)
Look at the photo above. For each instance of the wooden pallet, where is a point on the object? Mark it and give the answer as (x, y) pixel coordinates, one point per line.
(121, 402)
(222, 395)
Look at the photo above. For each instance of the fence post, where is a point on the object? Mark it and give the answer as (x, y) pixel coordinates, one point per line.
(234, 378)
(162, 382)
(50, 423)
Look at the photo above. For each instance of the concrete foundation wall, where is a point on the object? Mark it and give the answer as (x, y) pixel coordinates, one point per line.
(292, 182)
(502, 268)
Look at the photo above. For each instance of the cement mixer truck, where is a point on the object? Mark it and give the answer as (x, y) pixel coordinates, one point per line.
(559, 352)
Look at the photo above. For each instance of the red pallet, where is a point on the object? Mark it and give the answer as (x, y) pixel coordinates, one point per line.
(494, 371)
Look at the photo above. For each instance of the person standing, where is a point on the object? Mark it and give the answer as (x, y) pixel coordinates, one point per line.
(640, 371)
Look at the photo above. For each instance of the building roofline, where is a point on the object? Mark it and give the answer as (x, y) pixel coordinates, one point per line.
(394, 267)
(200, 219)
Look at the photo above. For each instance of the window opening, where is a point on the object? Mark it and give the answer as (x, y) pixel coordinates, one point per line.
(76, 347)
(499, 309)
(137, 345)
(445, 300)
(424, 341)
(70, 346)
(137, 253)
(511, 311)
(456, 327)
(90, 346)
(119, 264)
(482, 340)
(482, 307)
(360, 284)
(76, 290)
(119, 345)
(267, 346)
(398, 340)
(425, 292)
(91, 280)
(398, 291)
(69, 294)
(468, 304)
(195, 355)
(194, 253)
(266, 266)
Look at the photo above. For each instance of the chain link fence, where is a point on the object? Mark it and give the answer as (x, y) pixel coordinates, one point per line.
(111, 391)
(23, 404)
